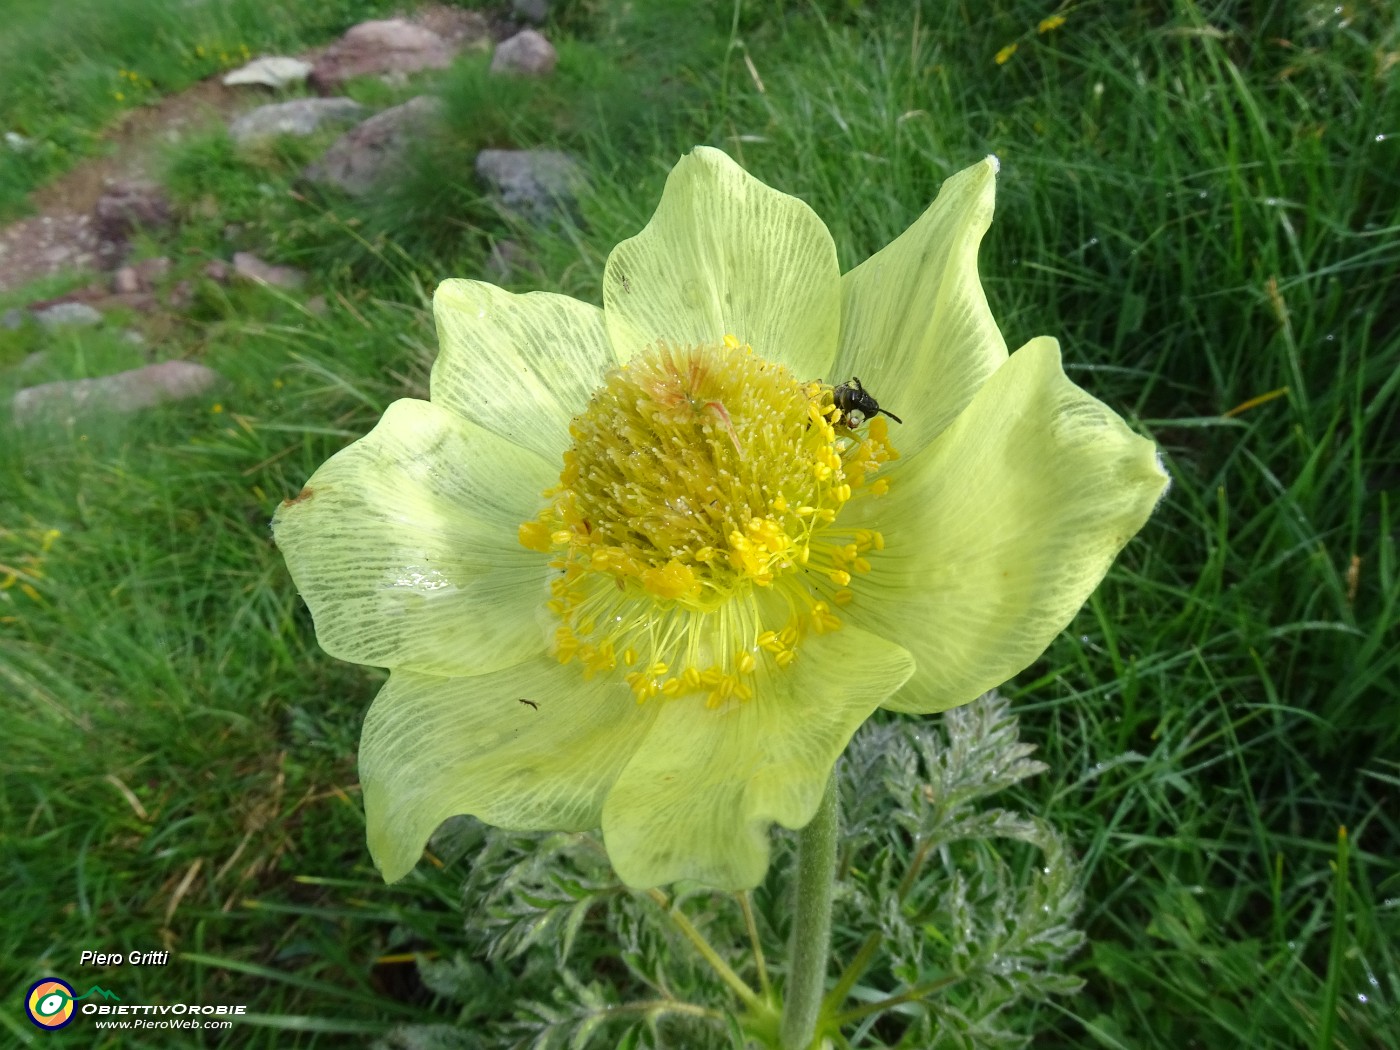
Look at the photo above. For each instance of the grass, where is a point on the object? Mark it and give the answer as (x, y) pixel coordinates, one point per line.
(1201, 205)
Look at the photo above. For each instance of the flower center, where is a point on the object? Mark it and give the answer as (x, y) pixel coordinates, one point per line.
(695, 523)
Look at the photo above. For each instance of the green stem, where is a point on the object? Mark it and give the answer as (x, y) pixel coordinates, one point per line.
(697, 939)
(765, 989)
(911, 995)
(811, 933)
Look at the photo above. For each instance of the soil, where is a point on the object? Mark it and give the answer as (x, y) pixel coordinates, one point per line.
(61, 236)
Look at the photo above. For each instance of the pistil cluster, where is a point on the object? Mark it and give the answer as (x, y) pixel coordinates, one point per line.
(695, 523)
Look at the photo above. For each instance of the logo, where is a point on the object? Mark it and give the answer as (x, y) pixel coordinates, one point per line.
(49, 1003)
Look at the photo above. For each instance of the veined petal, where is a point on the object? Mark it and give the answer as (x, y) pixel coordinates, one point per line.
(697, 801)
(404, 546)
(520, 366)
(433, 748)
(726, 255)
(915, 325)
(1001, 529)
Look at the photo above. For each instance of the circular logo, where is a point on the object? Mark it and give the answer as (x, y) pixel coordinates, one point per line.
(49, 1003)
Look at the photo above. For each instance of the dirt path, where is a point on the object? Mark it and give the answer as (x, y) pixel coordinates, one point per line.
(61, 236)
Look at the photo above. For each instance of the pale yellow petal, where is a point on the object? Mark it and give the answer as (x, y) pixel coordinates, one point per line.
(520, 366)
(698, 800)
(1001, 529)
(433, 748)
(404, 546)
(915, 324)
(726, 255)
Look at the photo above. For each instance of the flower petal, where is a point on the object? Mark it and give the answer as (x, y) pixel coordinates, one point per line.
(697, 800)
(1001, 529)
(433, 748)
(915, 324)
(404, 546)
(521, 366)
(726, 255)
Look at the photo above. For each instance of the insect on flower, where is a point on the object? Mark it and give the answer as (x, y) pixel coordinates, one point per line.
(856, 405)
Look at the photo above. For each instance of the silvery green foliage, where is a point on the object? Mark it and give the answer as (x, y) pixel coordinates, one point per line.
(959, 912)
(973, 903)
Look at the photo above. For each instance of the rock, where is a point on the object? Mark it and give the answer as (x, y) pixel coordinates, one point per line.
(132, 336)
(301, 117)
(535, 11)
(527, 54)
(68, 315)
(17, 142)
(537, 184)
(274, 71)
(125, 281)
(123, 392)
(368, 153)
(139, 277)
(391, 45)
(125, 207)
(248, 265)
(460, 29)
(217, 270)
(12, 320)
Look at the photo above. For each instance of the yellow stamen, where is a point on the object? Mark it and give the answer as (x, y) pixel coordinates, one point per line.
(702, 481)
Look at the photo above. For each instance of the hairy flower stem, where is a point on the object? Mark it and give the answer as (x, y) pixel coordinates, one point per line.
(811, 934)
(707, 952)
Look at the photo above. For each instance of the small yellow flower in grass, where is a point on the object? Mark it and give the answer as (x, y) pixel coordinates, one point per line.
(1004, 55)
(1048, 24)
(650, 566)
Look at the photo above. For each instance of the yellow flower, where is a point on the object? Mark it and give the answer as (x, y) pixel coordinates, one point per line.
(1004, 55)
(1051, 23)
(650, 566)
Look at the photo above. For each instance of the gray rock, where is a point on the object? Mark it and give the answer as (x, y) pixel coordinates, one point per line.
(535, 11)
(537, 184)
(300, 117)
(248, 265)
(370, 152)
(526, 54)
(388, 46)
(17, 142)
(12, 320)
(274, 71)
(124, 392)
(68, 315)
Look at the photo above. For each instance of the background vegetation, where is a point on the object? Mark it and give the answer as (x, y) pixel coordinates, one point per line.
(1201, 200)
